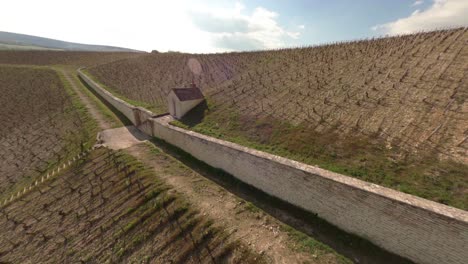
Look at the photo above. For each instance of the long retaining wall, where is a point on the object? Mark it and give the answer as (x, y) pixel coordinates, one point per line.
(412, 227)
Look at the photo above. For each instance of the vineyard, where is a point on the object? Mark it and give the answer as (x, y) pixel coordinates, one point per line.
(62, 57)
(391, 111)
(149, 78)
(42, 125)
(109, 208)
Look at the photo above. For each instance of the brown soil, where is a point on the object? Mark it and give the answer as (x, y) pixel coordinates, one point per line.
(41, 125)
(243, 221)
(108, 208)
(122, 137)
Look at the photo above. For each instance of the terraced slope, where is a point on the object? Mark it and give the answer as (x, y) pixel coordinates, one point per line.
(391, 111)
(109, 208)
(42, 125)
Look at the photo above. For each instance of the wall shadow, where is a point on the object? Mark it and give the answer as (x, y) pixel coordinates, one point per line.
(196, 115)
(137, 133)
(355, 248)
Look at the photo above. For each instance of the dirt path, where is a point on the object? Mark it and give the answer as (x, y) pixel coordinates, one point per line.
(90, 105)
(122, 137)
(245, 222)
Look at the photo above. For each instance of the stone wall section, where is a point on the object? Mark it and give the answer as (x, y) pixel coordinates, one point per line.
(419, 229)
(125, 108)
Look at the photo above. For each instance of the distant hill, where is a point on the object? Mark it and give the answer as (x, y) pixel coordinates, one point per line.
(14, 41)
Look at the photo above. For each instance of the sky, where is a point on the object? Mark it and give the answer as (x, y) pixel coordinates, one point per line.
(206, 26)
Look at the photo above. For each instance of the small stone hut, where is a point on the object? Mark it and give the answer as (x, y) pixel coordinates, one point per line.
(182, 100)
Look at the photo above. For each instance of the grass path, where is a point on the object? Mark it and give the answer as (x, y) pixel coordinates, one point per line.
(105, 119)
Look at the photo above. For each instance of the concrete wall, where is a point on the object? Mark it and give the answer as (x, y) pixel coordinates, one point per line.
(421, 230)
(125, 108)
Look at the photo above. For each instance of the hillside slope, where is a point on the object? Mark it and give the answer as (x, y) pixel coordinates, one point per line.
(391, 111)
(149, 78)
(74, 58)
(4, 46)
(22, 41)
(36, 135)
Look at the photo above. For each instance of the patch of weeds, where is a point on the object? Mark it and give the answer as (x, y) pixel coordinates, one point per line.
(251, 207)
(208, 223)
(177, 123)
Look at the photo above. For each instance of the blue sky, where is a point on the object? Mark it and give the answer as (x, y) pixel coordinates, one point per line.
(222, 25)
(341, 19)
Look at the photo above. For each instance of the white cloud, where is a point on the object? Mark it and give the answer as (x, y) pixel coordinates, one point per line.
(148, 24)
(231, 29)
(138, 24)
(415, 12)
(442, 14)
(417, 2)
(301, 26)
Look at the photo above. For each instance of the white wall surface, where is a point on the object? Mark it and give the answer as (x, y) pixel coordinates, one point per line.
(119, 104)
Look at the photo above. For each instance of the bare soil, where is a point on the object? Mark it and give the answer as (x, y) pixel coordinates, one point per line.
(41, 125)
(122, 137)
(261, 232)
(109, 208)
